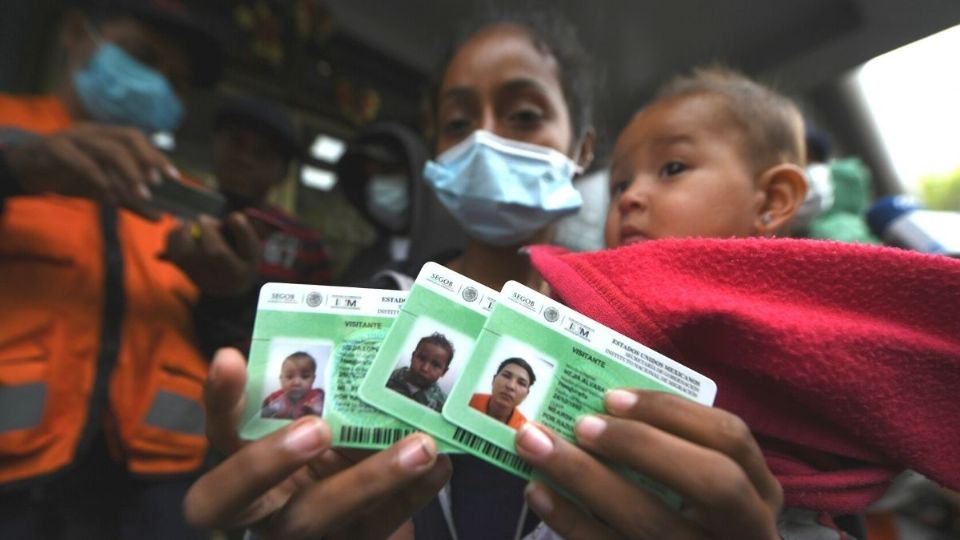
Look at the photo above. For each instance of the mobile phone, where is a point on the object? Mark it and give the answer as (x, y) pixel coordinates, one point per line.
(186, 200)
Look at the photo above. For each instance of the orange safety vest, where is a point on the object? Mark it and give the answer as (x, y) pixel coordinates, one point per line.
(94, 331)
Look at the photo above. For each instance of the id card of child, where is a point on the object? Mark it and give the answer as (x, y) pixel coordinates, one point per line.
(427, 349)
(311, 348)
(539, 360)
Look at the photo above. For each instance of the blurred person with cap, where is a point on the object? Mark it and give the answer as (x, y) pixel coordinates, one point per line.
(254, 145)
(101, 418)
(378, 174)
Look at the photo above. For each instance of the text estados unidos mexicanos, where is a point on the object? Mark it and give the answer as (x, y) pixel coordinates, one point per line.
(655, 368)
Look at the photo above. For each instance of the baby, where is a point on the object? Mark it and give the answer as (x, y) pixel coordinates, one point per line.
(715, 155)
(297, 396)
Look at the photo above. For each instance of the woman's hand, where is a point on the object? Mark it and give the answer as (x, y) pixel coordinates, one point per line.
(706, 455)
(291, 484)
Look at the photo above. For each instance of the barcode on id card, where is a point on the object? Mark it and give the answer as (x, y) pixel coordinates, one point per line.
(492, 451)
(366, 435)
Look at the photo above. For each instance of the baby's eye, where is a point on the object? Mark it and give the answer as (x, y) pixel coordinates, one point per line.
(672, 168)
(618, 188)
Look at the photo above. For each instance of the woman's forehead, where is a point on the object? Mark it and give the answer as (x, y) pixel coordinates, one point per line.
(498, 54)
(515, 370)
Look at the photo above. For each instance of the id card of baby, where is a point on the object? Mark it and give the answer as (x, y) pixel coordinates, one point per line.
(427, 348)
(312, 345)
(539, 360)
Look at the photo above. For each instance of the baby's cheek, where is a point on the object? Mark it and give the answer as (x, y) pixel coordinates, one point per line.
(611, 231)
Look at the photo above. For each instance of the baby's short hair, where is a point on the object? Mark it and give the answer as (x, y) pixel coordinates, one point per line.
(439, 340)
(301, 355)
(770, 122)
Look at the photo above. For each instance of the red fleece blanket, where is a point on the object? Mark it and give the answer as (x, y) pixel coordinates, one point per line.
(843, 359)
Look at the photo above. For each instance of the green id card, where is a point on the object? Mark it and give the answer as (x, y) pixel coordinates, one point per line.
(311, 347)
(427, 348)
(539, 360)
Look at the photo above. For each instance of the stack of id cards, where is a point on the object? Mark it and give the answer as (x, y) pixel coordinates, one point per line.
(457, 360)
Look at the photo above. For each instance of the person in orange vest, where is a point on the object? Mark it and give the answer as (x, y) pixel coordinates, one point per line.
(101, 417)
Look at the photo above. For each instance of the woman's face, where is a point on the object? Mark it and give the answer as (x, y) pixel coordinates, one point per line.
(500, 82)
(510, 386)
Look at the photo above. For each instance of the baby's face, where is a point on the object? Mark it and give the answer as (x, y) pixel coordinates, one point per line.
(679, 171)
(427, 364)
(296, 378)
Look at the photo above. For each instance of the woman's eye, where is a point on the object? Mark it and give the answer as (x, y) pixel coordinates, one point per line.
(455, 126)
(672, 168)
(526, 117)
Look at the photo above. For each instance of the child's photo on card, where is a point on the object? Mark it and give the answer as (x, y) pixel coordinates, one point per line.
(311, 347)
(427, 347)
(428, 364)
(298, 388)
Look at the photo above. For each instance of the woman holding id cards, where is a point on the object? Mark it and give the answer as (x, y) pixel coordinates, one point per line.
(513, 129)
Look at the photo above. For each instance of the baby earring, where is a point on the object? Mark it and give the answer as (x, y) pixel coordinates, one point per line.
(766, 218)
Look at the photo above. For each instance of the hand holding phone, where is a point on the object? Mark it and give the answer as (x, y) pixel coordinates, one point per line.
(201, 249)
(183, 199)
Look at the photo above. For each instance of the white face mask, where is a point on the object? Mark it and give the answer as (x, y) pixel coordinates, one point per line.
(819, 197)
(503, 191)
(388, 200)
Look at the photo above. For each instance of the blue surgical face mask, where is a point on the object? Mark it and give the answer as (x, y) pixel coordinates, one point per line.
(116, 88)
(503, 191)
(388, 200)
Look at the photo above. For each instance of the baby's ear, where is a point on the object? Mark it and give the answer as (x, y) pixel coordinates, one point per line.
(784, 188)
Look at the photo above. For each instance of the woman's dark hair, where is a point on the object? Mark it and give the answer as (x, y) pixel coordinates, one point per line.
(519, 362)
(551, 34)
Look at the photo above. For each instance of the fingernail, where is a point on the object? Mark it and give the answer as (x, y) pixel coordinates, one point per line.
(144, 191)
(155, 177)
(590, 427)
(620, 401)
(538, 499)
(172, 171)
(534, 440)
(307, 437)
(415, 454)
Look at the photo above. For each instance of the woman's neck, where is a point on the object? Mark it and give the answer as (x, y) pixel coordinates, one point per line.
(498, 413)
(493, 266)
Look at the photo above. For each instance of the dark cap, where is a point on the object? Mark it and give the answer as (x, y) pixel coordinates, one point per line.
(264, 116)
(194, 29)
